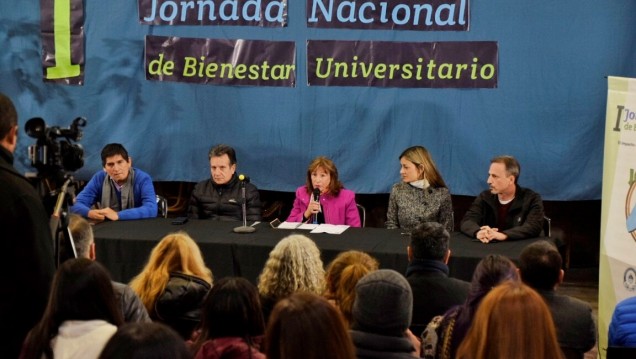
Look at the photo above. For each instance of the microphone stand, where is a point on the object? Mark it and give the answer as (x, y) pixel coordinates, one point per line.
(244, 228)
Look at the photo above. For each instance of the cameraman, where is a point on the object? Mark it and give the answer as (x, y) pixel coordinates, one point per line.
(27, 245)
(119, 192)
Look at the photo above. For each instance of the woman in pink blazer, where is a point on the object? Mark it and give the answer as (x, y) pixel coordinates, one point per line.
(323, 199)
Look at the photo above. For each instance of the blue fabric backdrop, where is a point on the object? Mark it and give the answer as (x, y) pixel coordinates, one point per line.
(548, 110)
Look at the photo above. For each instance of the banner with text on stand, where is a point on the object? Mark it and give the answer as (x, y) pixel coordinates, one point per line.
(617, 272)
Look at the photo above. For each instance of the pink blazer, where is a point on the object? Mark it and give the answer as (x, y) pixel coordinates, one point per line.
(339, 209)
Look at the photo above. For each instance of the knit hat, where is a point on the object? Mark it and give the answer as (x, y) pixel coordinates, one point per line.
(383, 304)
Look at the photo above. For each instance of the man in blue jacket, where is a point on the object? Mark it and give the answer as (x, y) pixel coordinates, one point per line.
(119, 192)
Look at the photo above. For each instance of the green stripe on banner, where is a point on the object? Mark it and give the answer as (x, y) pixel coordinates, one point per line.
(62, 33)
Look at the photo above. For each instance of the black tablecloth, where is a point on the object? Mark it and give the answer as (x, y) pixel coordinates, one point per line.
(123, 247)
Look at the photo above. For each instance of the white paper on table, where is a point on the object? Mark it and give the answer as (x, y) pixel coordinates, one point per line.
(330, 228)
(288, 225)
(308, 226)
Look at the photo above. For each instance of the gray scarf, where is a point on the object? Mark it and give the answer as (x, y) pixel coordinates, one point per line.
(109, 193)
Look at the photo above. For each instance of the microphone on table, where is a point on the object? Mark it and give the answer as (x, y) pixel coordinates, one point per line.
(243, 179)
(316, 199)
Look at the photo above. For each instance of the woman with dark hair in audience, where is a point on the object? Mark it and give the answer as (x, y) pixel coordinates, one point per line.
(293, 265)
(145, 340)
(81, 315)
(444, 333)
(174, 282)
(336, 204)
(513, 321)
(422, 196)
(305, 325)
(232, 325)
(342, 275)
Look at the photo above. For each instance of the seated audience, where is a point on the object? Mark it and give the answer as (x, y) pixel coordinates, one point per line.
(506, 210)
(145, 340)
(343, 273)
(540, 268)
(444, 333)
(80, 317)
(333, 205)
(294, 265)
(232, 325)
(622, 329)
(434, 292)
(221, 196)
(382, 315)
(512, 321)
(305, 325)
(422, 196)
(174, 282)
(82, 232)
(119, 192)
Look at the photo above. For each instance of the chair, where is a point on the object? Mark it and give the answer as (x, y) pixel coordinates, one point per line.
(162, 207)
(547, 226)
(363, 214)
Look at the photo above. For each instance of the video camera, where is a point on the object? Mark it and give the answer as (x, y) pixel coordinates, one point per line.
(51, 156)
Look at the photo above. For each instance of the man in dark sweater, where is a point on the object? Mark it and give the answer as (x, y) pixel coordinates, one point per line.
(505, 211)
(221, 197)
(434, 292)
(540, 268)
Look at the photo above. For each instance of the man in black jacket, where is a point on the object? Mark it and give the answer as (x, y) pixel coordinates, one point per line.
(221, 197)
(434, 292)
(132, 307)
(540, 268)
(27, 244)
(506, 210)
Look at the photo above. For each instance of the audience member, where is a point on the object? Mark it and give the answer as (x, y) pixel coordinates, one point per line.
(305, 325)
(540, 268)
(512, 321)
(382, 315)
(422, 196)
(434, 292)
(119, 192)
(232, 325)
(444, 333)
(174, 282)
(343, 273)
(333, 205)
(221, 197)
(145, 340)
(506, 210)
(82, 233)
(27, 243)
(622, 329)
(293, 265)
(81, 315)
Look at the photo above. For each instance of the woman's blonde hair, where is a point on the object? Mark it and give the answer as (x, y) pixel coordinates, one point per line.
(176, 252)
(342, 275)
(293, 265)
(422, 159)
(512, 321)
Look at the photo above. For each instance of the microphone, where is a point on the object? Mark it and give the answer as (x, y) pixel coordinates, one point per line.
(316, 199)
(244, 228)
(243, 178)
